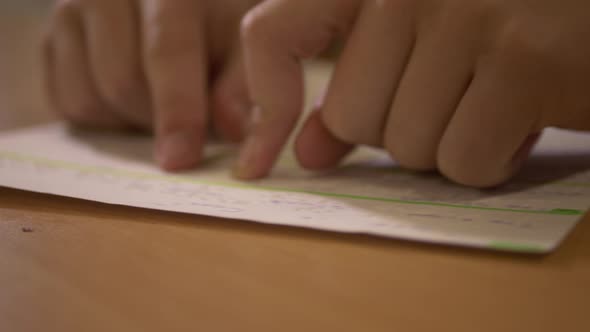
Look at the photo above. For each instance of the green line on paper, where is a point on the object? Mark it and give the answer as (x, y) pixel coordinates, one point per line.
(185, 179)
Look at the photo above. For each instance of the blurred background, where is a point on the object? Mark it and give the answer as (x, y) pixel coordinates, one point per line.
(21, 99)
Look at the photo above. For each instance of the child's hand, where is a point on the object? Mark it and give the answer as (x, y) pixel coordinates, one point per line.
(463, 86)
(173, 66)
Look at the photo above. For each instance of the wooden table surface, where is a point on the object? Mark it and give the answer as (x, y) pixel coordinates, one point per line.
(70, 265)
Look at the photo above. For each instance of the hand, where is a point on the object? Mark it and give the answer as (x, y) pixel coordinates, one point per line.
(462, 86)
(171, 66)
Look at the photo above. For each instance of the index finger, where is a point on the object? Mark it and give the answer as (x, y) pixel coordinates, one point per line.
(174, 52)
(276, 36)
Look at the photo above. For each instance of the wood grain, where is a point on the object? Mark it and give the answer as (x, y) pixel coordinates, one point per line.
(70, 265)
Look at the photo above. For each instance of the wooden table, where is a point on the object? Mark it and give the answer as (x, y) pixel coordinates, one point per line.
(70, 265)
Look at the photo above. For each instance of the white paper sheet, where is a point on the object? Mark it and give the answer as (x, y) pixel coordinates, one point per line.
(368, 195)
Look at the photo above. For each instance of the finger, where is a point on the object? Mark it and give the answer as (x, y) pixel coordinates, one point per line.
(175, 63)
(231, 104)
(276, 34)
(368, 71)
(436, 78)
(73, 89)
(316, 148)
(359, 94)
(492, 124)
(114, 52)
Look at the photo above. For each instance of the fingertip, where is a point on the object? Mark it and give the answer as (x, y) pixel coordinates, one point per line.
(267, 135)
(459, 170)
(254, 160)
(316, 148)
(179, 150)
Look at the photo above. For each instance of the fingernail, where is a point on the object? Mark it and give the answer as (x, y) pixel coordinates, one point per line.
(178, 150)
(245, 167)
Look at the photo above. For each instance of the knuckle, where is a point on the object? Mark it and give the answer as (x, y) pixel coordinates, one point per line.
(520, 45)
(254, 26)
